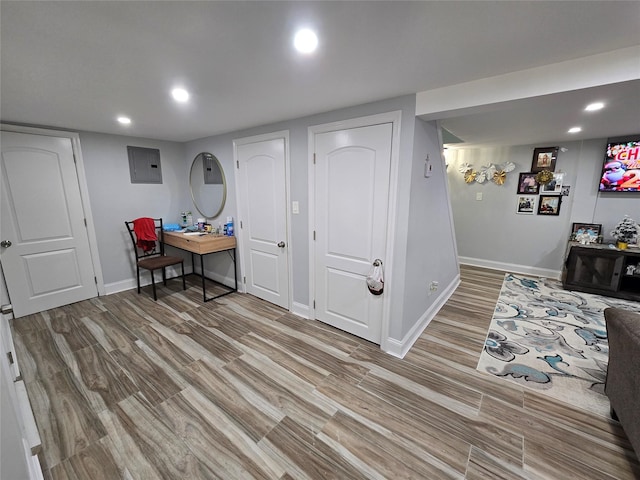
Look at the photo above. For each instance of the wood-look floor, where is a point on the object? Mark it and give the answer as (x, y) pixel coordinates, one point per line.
(125, 387)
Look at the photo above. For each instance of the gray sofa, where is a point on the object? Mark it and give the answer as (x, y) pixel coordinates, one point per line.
(623, 374)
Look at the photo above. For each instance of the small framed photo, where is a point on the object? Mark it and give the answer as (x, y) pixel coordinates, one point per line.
(554, 186)
(549, 204)
(527, 184)
(544, 159)
(592, 229)
(526, 204)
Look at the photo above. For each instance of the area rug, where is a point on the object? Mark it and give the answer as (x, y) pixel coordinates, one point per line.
(551, 340)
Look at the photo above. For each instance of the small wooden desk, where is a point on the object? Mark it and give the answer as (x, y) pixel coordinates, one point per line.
(204, 244)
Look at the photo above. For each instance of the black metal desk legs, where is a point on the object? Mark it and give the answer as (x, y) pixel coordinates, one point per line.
(202, 276)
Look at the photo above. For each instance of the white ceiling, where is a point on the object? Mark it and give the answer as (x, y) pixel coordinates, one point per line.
(548, 118)
(78, 65)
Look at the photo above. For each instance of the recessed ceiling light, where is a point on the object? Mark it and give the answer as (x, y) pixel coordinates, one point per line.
(124, 120)
(180, 94)
(305, 41)
(592, 107)
(575, 129)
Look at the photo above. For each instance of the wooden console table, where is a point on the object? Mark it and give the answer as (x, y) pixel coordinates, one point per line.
(597, 268)
(204, 244)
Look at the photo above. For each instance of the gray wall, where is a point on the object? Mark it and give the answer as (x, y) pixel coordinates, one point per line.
(222, 147)
(115, 199)
(424, 246)
(490, 232)
(430, 246)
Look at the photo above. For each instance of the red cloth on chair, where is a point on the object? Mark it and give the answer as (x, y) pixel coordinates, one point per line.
(145, 230)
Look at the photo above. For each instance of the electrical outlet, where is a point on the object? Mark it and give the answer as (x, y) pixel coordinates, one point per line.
(433, 286)
(479, 196)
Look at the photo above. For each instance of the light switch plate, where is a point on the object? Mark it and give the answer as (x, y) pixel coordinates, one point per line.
(479, 196)
(428, 167)
(295, 207)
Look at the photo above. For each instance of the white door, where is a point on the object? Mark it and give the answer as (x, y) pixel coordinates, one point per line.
(352, 173)
(263, 216)
(49, 261)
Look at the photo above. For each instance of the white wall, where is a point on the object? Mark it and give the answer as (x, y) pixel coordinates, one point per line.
(490, 232)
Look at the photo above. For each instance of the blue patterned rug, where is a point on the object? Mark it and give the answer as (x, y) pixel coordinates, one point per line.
(551, 340)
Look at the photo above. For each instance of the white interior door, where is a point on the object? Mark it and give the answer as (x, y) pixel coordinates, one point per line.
(352, 174)
(263, 216)
(49, 261)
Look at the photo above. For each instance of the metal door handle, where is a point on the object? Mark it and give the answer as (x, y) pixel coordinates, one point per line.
(377, 262)
(281, 244)
(5, 243)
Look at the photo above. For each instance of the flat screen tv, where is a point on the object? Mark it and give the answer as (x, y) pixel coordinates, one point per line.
(621, 168)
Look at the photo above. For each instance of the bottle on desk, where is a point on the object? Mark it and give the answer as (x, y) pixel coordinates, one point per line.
(229, 227)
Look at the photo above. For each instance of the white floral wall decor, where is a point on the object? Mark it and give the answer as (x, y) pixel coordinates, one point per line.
(486, 173)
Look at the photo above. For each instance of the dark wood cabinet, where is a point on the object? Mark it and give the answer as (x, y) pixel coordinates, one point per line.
(602, 270)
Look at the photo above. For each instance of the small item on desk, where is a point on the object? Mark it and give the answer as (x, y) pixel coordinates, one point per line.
(171, 227)
(229, 227)
(201, 222)
(186, 219)
(208, 227)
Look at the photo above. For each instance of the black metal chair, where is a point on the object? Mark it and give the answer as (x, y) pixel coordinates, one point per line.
(149, 252)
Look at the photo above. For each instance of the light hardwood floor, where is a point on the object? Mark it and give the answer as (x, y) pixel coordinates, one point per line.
(125, 387)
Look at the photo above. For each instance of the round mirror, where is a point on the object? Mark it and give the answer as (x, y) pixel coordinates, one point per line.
(208, 185)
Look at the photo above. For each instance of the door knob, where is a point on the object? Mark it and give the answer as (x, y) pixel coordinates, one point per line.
(281, 244)
(5, 243)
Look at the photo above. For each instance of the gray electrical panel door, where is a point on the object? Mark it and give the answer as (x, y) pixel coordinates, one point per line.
(144, 165)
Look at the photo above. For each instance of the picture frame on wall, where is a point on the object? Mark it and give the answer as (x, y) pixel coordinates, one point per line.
(549, 205)
(544, 159)
(526, 204)
(554, 186)
(527, 184)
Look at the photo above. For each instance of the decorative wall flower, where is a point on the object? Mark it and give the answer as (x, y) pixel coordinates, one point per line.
(499, 177)
(470, 176)
(544, 177)
(486, 172)
(464, 167)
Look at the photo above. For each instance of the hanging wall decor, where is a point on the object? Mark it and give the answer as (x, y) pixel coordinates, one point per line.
(470, 176)
(543, 177)
(489, 172)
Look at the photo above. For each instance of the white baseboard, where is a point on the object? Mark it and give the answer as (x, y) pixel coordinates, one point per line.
(511, 267)
(172, 272)
(399, 348)
(115, 287)
(300, 309)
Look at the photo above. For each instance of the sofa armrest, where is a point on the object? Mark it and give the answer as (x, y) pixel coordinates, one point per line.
(623, 372)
